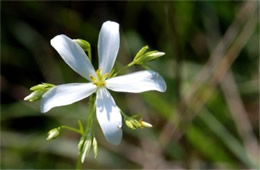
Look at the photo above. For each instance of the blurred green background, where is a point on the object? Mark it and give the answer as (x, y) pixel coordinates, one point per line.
(207, 119)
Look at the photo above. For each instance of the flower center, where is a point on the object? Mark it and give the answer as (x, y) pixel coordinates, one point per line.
(100, 80)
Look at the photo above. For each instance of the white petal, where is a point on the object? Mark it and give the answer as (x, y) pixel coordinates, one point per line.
(109, 116)
(108, 45)
(73, 55)
(137, 82)
(66, 94)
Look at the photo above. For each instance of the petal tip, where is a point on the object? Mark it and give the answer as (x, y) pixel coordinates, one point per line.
(44, 109)
(115, 140)
(111, 25)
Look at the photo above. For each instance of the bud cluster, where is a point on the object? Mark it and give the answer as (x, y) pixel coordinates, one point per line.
(143, 57)
(38, 91)
(133, 123)
(86, 142)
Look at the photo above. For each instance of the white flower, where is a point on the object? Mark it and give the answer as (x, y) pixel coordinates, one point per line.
(107, 112)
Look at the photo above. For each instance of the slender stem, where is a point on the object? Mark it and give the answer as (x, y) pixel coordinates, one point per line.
(89, 127)
(78, 167)
(124, 68)
(130, 64)
(91, 113)
(71, 129)
(81, 126)
(124, 115)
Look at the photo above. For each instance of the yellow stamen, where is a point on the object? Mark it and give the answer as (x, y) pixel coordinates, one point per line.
(100, 80)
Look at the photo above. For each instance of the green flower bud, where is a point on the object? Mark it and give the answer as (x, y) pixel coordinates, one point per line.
(85, 149)
(80, 144)
(136, 123)
(85, 46)
(41, 86)
(132, 123)
(129, 124)
(36, 95)
(142, 57)
(38, 91)
(150, 56)
(53, 133)
(141, 52)
(95, 147)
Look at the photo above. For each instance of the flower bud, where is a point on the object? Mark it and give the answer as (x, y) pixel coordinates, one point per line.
(36, 95)
(145, 124)
(85, 149)
(95, 146)
(38, 91)
(41, 86)
(141, 52)
(53, 133)
(142, 57)
(149, 56)
(132, 123)
(84, 45)
(129, 124)
(80, 144)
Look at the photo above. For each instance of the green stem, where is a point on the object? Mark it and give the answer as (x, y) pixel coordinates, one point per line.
(91, 113)
(81, 126)
(78, 167)
(89, 127)
(71, 129)
(124, 68)
(124, 115)
(130, 64)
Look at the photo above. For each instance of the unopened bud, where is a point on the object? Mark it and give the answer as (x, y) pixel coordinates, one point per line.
(85, 145)
(145, 124)
(81, 142)
(53, 133)
(142, 57)
(85, 149)
(41, 86)
(36, 95)
(132, 123)
(95, 147)
(141, 52)
(84, 45)
(38, 91)
(156, 54)
(129, 124)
